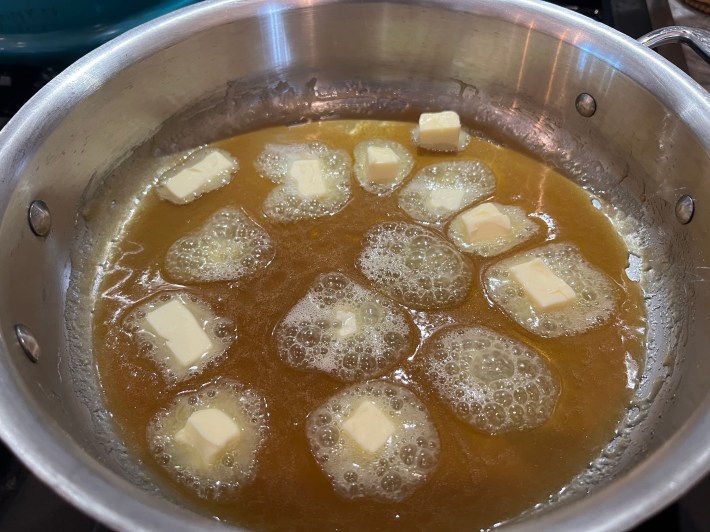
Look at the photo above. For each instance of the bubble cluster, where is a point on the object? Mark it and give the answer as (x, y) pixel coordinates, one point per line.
(490, 381)
(220, 178)
(228, 247)
(344, 329)
(522, 228)
(236, 467)
(414, 266)
(405, 461)
(285, 203)
(440, 190)
(220, 331)
(406, 163)
(595, 294)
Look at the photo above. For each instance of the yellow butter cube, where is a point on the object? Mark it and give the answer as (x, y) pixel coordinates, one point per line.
(542, 287)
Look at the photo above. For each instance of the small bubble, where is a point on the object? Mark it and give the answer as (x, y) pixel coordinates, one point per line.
(502, 397)
(391, 481)
(517, 414)
(408, 454)
(223, 330)
(350, 361)
(424, 460)
(462, 409)
(533, 392)
(520, 395)
(368, 364)
(296, 353)
(328, 436)
(372, 313)
(451, 368)
(308, 336)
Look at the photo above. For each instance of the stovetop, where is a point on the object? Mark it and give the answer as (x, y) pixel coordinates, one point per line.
(27, 505)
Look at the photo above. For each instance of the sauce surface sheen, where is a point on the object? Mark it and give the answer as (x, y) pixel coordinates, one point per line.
(480, 479)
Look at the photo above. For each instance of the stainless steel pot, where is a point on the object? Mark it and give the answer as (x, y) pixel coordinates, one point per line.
(597, 105)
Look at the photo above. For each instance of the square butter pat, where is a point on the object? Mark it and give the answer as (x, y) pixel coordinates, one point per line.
(181, 331)
(210, 432)
(369, 427)
(440, 130)
(348, 321)
(382, 165)
(197, 178)
(485, 223)
(446, 198)
(308, 175)
(542, 287)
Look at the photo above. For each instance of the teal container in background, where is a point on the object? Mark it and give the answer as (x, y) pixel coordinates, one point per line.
(34, 31)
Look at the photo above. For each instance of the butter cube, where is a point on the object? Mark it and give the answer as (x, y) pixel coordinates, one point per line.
(486, 223)
(210, 432)
(308, 175)
(348, 321)
(181, 331)
(439, 130)
(369, 427)
(382, 165)
(446, 198)
(199, 177)
(542, 287)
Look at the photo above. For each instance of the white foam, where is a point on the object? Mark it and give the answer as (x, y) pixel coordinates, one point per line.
(492, 382)
(285, 203)
(472, 179)
(414, 266)
(404, 462)
(345, 330)
(595, 300)
(406, 163)
(220, 331)
(228, 247)
(237, 465)
(522, 229)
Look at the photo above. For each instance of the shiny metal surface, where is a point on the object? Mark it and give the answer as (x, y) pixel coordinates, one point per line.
(512, 68)
(661, 16)
(586, 105)
(39, 218)
(27, 342)
(685, 209)
(698, 39)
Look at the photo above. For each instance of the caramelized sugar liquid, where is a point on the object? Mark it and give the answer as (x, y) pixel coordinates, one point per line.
(480, 479)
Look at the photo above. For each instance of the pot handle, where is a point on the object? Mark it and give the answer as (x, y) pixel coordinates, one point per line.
(697, 39)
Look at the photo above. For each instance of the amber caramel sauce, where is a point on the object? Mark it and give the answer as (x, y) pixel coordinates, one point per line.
(480, 479)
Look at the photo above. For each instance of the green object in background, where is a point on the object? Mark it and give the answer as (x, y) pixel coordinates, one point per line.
(63, 30)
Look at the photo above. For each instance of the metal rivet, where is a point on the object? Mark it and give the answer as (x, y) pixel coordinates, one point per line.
(27, 341)
(39, 217)
(685, 209)
(586, 105)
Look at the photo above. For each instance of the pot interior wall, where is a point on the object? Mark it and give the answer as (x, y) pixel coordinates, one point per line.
(513, 77)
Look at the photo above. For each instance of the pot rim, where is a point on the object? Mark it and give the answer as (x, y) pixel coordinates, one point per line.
(661, 477)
